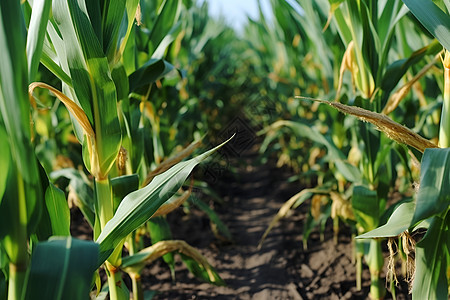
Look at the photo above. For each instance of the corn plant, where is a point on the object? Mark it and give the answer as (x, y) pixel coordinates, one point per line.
(373, 33)
(431, 207)
(83, 44)
(31, 208)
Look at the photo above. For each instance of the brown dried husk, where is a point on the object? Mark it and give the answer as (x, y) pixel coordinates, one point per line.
(393, 130)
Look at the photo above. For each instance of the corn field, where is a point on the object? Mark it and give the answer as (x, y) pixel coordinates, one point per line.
(150, 151)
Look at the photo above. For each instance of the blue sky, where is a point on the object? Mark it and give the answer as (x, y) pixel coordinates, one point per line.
(236, 11)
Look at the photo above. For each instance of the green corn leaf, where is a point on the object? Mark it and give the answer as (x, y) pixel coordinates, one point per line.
(5, 160)
(3, 286)
(53, 67)
(55, 217)
(199, 271)
(124, 37)
(122, 186)
(432, 18)
(82, 189)
(167, 16)
(159, 230)
(36, 35)
(24, 194)
(434, 192)
(62, 268)
(14, 103)
(365, 207)
(397, 223)
(120, 79)
(167, 40)
(91, 78)
(69, 51)
(58, 211)
(397, 69)
(54, 55)
(149, 73)
(113, 15)
(430, 280)
(139, 206)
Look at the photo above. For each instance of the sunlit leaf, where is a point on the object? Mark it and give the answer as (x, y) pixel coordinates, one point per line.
(399, 221)
(137, 207)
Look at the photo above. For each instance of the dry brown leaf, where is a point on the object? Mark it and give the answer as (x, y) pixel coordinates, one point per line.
(76, 111)
(284, 210)
(341, 207)
(348, 63)
(316, 205)
(393, 130)
(172, 204)
(163, 247)
(165, 165)
(401, 93)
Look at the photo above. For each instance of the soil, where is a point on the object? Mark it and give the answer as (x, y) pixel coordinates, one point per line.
(281, 269)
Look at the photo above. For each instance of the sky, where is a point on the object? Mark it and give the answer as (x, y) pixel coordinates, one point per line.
(236, 11)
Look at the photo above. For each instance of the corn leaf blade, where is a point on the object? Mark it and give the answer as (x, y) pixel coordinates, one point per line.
(169, 12)
(62, 268)
(91, 78)
(432, 254)
(434, 192)
(397, 223)
(433, 18)
(365, 207)
(58, 211)
(5, 161)
(139, 206)
(36, 35)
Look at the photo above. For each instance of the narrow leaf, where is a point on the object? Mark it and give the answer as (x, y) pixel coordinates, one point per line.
(149, 73)
(298, 198)
(393, 130)
(165, 165)
(58, 211)
(366, 208)
(36, 35)
(213, 217)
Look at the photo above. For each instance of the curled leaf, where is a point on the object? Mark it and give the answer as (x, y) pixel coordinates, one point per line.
(71, 106)
(393, 130)
(135, 263)
(348, 63)
(298, 198)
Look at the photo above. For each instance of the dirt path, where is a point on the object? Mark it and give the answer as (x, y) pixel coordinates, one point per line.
(281, 269)
(252, 200)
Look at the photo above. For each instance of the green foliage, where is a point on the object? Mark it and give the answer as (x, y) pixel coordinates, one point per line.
(62, 268)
